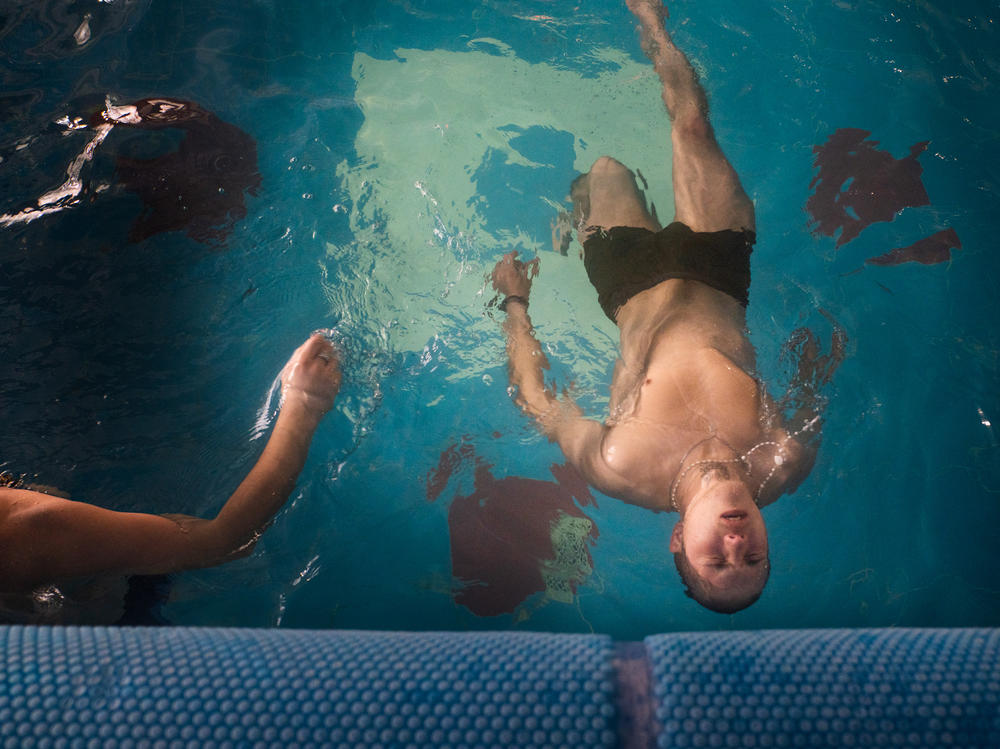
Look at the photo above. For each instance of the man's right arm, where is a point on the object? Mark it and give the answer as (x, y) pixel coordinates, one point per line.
(526, 364)
(562, 421)
(526, 361)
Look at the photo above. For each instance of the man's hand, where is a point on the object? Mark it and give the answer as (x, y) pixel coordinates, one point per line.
(312, 375)
(511, 277)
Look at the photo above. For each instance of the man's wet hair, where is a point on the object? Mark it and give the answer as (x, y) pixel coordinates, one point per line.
(712, 598)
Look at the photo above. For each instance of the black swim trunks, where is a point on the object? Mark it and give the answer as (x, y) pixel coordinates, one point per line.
(625, 260)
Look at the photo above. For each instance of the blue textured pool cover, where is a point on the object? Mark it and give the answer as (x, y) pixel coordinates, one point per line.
(842, 688)
(172, 687)
(191, 687)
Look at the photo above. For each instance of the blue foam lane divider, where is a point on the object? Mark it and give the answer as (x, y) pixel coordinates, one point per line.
(835, 688)
(215, 688)
(226, 688)
(634, 699)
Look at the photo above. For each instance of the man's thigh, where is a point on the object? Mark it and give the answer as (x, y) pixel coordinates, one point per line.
(614, 198)
(708, 195)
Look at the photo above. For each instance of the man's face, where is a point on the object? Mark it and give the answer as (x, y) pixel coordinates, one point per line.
(723, 537)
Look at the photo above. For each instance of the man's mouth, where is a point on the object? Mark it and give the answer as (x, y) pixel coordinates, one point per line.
(734, 515)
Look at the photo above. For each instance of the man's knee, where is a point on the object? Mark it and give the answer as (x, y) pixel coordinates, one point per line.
(692, 128)
(606, 166)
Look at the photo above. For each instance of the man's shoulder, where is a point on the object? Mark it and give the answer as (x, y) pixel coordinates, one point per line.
(792, 462)
(636, 460)
(21, 508)
(584, 443)
(9, 499)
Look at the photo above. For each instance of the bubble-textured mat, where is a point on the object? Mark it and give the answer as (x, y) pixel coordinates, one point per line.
(174, 687)
(832, 688)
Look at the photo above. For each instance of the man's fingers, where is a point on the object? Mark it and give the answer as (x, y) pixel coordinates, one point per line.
(312, 346)
(316, 351)
(510, 257)
(321, 344)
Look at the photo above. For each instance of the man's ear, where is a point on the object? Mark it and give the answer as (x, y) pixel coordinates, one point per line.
(676, 543)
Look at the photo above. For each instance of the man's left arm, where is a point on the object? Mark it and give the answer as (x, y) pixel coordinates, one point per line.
(804, 404)
(561, 420)
(797, 460)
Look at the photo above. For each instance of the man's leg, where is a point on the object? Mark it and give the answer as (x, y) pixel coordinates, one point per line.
(608, 196)
(707, 191)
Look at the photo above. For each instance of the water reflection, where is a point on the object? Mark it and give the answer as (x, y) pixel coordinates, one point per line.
(858, 184)
(513, 538)
(197, 188)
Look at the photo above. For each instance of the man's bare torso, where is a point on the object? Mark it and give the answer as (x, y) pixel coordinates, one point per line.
(683, 376)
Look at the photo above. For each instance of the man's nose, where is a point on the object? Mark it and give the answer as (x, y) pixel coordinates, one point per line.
(735, 540)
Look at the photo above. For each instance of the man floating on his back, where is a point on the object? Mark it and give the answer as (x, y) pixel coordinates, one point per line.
(690, 430)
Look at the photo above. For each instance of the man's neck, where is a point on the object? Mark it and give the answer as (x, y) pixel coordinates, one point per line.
(709, 461)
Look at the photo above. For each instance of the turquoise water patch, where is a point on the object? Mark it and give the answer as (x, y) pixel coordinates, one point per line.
(442, 183)
(402, 149)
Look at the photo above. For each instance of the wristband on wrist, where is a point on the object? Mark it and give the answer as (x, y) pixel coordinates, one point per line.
(512, 298)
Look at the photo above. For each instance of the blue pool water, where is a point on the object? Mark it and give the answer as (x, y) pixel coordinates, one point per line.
(402, 148)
